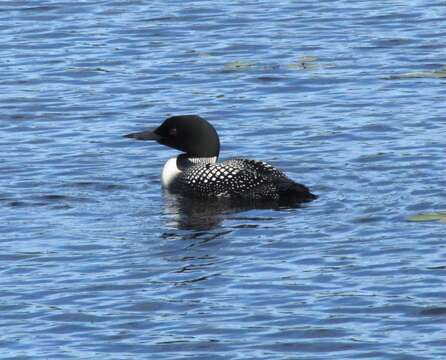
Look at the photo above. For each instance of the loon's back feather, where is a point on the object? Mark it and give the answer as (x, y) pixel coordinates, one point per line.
(239, 178)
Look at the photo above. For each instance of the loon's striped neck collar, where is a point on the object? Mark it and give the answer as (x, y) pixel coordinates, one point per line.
(203, 160)
(184, 161)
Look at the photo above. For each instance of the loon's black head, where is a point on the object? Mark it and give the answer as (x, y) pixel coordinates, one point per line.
(188, 133)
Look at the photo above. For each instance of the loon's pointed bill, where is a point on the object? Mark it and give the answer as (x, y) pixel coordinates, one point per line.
(198, 173)
(144, 135)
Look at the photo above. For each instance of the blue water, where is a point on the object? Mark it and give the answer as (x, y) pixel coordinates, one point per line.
(347, 97)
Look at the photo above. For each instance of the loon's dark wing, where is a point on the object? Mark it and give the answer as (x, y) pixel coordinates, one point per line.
(274, 184)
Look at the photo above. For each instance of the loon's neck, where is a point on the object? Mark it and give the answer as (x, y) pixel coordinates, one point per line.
(176, 165)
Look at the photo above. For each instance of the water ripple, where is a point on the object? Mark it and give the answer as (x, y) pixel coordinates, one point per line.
(97, 261)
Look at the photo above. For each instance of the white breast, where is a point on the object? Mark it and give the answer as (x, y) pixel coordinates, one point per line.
(170, 172)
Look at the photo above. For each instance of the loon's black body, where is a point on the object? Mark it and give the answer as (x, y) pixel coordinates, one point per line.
(196, 173)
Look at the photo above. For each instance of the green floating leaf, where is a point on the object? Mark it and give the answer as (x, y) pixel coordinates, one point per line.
(433, 216)
(308, 58)
(305, 62)
(239, 65)
(436, 74)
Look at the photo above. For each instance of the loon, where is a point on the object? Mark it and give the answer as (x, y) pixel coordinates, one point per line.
(196, 173)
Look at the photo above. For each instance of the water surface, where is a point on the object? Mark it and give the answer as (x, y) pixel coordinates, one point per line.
(346, 97)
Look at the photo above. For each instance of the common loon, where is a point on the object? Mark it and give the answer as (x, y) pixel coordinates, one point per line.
(196, 172)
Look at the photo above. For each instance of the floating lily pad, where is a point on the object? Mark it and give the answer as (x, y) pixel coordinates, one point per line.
(239, 65)
(308, 58)
(203, 53)
(436, 74)
(433, 216)
(305, 62)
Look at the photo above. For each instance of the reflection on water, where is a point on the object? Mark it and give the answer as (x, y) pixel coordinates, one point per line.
(200, 214)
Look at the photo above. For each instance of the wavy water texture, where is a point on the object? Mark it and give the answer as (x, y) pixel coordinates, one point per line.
(346, 97)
